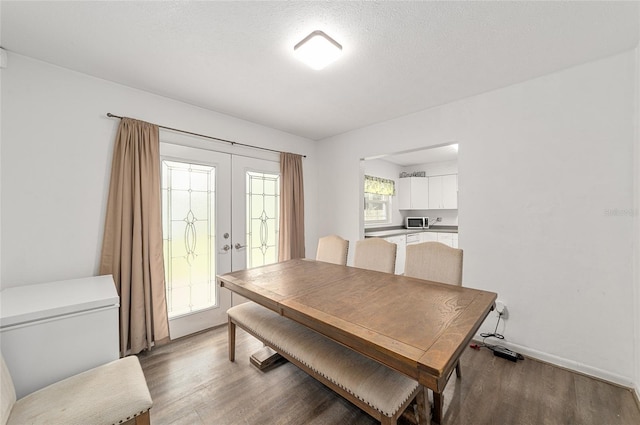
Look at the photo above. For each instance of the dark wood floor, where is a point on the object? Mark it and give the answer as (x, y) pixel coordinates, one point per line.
(192, 382)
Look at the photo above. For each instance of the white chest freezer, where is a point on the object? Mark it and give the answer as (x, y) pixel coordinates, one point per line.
(54, 330)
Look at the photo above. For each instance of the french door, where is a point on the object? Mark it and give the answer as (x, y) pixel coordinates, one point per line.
(220, 213)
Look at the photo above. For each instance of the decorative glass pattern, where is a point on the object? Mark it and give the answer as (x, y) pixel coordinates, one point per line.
(263, 212)
(188, 229)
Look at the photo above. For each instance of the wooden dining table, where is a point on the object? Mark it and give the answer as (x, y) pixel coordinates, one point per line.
(417, 327)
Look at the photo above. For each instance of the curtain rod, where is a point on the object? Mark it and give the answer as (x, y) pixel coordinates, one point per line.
(110, 115)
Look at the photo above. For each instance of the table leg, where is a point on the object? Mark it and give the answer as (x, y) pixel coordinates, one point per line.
(424, 409)
(232, 341)
(438, 405)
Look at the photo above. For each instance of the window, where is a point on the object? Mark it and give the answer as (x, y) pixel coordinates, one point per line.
(378, 193)
(188, 221)
(263, 206)
(377, 209)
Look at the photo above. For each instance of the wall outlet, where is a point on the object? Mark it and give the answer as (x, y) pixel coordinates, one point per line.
(501, 309)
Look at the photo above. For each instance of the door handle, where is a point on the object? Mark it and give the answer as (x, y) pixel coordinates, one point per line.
(238, 246)
(226, 247)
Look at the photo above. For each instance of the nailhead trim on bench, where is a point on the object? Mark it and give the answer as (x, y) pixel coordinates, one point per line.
(252, 308)
(121, 421)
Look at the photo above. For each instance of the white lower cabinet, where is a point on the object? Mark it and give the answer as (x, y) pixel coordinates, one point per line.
(450, 239)
(455, 240)
(428, 237)
(446, 238)
(401, 241)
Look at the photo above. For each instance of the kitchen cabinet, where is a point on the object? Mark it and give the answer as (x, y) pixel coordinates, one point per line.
(429, 237)
(450, 239)
(443, 192)
(401, 252)
(446, 238)
(454, 243)
(413, 193)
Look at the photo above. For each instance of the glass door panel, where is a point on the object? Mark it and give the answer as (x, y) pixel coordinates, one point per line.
(196, 198)
(256, 209)
(262, 212)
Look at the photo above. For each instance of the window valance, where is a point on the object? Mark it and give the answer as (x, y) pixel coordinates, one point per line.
(379, 186)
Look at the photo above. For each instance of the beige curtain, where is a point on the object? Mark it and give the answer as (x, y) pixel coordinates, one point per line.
(132, 245)
(291, 234)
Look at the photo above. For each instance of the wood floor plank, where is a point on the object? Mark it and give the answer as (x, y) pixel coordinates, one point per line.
(192, 382)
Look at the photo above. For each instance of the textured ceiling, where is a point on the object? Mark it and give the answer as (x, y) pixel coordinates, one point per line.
(398, 57)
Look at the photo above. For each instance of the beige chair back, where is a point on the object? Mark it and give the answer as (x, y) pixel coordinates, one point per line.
(333, 249)
(434, 261)
(375, 254)
(7, 392)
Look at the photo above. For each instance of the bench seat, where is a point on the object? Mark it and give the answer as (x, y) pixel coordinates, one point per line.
(378, 390)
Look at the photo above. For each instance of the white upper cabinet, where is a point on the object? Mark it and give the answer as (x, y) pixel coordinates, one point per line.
(450, 191)
(413, 193)
(443, 192)
(435, 192)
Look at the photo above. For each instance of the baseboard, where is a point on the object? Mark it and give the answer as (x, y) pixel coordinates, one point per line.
(572, 365)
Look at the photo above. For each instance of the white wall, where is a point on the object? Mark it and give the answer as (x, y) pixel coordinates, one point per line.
(543, 167)
(56, 156)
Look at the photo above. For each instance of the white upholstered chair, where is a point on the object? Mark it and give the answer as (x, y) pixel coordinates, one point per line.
(114, 393)
(434, 261)
(333, 249)
(375, 254)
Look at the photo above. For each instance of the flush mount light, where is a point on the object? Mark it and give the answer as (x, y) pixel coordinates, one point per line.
(317, 50)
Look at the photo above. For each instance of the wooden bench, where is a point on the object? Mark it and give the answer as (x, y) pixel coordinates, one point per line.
(114, 393)
(376, 389)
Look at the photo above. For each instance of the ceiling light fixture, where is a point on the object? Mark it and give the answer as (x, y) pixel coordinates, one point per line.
(317, 50)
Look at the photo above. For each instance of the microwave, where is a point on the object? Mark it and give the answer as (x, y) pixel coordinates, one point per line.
(417, 222)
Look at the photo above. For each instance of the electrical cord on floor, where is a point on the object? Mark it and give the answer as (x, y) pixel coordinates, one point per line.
(495, 348)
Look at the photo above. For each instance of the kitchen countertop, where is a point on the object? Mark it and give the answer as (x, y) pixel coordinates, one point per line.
(397, 231)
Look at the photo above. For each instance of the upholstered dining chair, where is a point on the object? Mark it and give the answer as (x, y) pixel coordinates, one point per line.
(434, 261)
(333, 249)
(437, 262)
(112, 393)
(375, 254)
